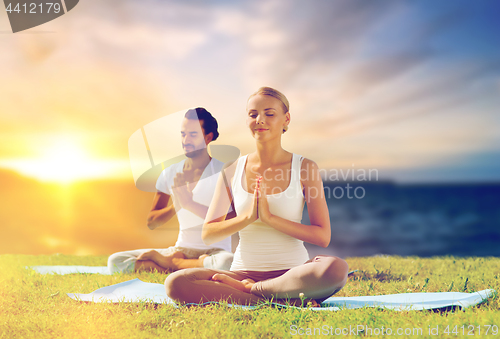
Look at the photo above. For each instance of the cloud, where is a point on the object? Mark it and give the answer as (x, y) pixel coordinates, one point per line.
(366, 75)
(352, 70)
(283, 39)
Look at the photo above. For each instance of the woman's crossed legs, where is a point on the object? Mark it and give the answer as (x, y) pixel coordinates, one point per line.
(317, 279)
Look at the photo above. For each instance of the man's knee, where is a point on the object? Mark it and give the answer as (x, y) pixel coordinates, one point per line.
(116, 262)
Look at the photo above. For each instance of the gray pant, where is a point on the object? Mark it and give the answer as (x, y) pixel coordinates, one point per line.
(217, 259)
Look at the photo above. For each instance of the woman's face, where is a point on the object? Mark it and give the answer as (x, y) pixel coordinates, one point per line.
(265, 117)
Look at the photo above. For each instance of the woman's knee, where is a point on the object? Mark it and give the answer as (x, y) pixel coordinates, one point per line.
(175, 284)
(181, 285)
(334, 269)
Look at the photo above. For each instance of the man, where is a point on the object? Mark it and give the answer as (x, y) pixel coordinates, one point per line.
(191, 184)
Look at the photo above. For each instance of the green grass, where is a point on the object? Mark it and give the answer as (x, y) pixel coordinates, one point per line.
(36, 306)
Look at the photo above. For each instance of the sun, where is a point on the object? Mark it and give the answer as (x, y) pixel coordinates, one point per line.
(66, 161)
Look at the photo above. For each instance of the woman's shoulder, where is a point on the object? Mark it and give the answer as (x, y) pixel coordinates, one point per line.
(307, 163)
(309, 170)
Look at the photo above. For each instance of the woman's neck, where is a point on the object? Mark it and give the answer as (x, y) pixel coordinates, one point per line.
(270, 152)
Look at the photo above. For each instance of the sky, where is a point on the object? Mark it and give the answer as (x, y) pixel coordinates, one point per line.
(411, 89)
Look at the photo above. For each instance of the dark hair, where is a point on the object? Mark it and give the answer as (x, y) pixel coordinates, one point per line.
(209, 124)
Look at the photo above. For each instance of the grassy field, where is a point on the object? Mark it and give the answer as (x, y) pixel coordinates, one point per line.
(36, 306)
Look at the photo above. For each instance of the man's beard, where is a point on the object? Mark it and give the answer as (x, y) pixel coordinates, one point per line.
(195, 153)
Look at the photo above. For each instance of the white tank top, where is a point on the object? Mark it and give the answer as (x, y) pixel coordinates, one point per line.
(261, 247)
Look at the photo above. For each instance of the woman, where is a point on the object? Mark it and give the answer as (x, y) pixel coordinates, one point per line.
(270, 261)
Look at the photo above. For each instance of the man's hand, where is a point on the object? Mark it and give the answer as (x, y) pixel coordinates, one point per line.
(182, 190)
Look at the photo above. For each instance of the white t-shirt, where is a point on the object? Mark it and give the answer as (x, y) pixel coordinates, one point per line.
(190, 225)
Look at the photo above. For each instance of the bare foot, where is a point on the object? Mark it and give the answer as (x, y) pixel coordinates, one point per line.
(149, 255)
(165, 261)
(201, 259)
(171, 260)
(243, 285)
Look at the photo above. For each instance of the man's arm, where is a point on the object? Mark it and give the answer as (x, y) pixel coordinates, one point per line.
(161, 211)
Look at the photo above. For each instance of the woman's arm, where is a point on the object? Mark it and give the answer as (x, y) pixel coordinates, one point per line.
(216, 227)
(319, 232)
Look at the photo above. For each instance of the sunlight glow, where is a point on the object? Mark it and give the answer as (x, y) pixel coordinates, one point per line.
(65, 162)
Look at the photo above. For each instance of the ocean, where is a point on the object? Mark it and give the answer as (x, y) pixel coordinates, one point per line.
(423, 220)
(100, 218)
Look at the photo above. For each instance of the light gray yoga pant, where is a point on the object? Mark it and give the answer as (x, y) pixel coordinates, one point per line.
(124, 262)
(318, 279)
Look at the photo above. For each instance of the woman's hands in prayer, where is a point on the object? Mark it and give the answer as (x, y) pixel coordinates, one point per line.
(263, 206)
(259, 207)
(252, 212)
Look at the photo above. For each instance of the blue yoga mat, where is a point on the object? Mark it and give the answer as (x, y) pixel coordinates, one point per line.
(66, 269)
(71, 269)
(139, 291)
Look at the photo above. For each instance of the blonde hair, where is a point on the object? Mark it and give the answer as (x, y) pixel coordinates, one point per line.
(269, 91)
(275, 94)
